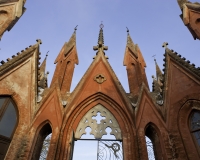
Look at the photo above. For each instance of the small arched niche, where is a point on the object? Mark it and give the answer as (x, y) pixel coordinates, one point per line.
(8, 123)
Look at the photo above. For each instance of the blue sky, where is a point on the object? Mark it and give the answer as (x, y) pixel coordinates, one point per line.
(150, 23)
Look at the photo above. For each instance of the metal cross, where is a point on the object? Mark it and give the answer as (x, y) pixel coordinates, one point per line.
(165, 44)
(47, 53)
(127, 29)
(75, 28)
(154, 57)
(101, 25)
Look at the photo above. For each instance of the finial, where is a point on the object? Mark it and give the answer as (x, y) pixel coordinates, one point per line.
(47, 53)
(75, 28)
(127, 30)
(100, 39)
(39, 41)
(101, 25)
(165, 44)
(154, 57)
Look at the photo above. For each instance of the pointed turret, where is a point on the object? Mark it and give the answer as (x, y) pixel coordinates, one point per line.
(131, 45)
(42, 75)
(158, 84)
(159, 74)
(42, 79)
(156, 87)
(135, 65)
(65, 63)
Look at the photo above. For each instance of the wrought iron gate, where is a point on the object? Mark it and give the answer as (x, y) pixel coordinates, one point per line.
(109, 150)
(101, 123)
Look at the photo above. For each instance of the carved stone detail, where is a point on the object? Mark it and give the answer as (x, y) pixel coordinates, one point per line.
(99, 78)
(172, 147)
(98, 130)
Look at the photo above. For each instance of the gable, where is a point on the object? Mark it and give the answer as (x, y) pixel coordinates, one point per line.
(12, 77)
(147, 111)
(50, 109)
(182, 83)
(100, 78)
(181, 80)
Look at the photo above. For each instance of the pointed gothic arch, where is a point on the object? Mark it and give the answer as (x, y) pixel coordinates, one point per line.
(76, 113)
(154, 145)
(188, 108)
(8, 123)
(100, 130)
(194, 125)
(43, 131)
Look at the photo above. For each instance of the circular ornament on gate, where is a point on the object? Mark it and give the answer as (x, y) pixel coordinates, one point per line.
(115, 147)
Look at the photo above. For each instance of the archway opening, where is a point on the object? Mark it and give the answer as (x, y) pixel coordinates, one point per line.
(150, 149)
(98, 136)
(153, 143)
(42, 145)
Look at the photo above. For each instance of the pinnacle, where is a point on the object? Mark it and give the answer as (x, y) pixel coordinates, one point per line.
(100, 40)
(130, 44)
(159, 74)
(43, 65)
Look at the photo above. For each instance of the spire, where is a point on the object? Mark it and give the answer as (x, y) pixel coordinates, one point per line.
(135, 66)
(159, 74)
(43, 65)
(68, 46)
(100, 39)
(156, 86)
(100, 46)
(65, 64)
(158, 83)
(42, 75)
(130, 44)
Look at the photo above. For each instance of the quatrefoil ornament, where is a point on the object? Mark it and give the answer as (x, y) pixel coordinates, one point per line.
(100, 78)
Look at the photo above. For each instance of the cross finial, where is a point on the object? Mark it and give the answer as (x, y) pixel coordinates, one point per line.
(47, 53)
(165, 44)
(39, 41)
(101, 25)
(154, 57)
(127, 30)
(100, 40)
(75, 28)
